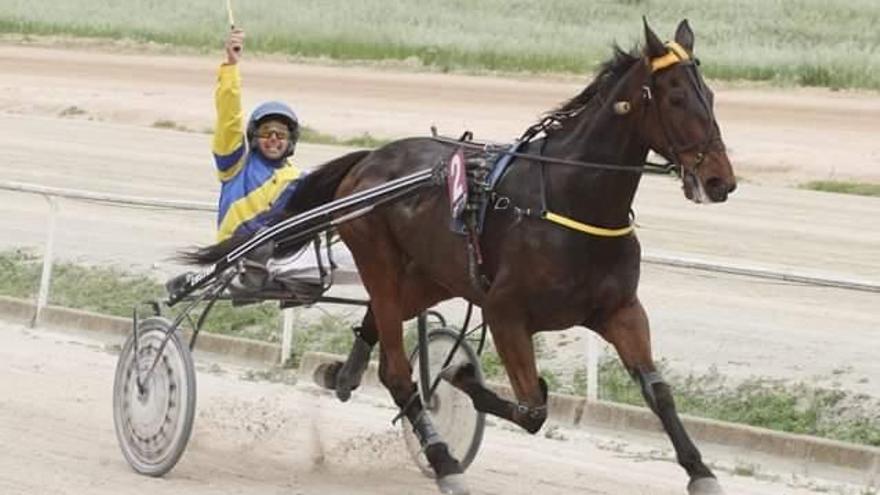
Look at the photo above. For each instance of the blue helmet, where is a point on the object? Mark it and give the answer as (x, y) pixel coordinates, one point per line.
(274, 110)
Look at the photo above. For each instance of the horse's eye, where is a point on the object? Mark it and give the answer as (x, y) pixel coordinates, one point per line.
(677, 98)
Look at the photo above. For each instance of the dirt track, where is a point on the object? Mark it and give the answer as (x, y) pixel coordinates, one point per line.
(741, 326)
(260, 437)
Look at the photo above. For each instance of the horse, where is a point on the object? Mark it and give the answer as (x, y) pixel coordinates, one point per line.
(562, 254)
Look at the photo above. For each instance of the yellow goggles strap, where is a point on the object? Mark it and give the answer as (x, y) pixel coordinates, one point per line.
(586, 229)
(675, 55)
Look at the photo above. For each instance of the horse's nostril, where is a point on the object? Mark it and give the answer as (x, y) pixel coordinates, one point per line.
(714, 184)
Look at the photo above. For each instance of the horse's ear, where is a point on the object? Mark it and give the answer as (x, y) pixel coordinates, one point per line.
(684, 36)
(653, 46)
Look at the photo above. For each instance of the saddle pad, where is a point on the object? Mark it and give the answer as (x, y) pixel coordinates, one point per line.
(502, 163)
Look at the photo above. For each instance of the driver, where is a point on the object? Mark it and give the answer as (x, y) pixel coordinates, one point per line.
(253, 163)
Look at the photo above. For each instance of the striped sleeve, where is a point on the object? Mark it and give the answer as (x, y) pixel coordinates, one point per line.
(228, 145)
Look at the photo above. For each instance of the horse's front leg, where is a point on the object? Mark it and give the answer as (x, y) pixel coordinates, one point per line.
(628, 330)
(513, 341)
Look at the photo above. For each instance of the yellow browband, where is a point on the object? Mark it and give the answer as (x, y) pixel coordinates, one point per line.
(587, 229)
(676, 54)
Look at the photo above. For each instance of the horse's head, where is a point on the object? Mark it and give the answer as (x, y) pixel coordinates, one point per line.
(679, 121)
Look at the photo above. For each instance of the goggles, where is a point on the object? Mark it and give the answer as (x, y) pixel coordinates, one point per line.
(268, 130)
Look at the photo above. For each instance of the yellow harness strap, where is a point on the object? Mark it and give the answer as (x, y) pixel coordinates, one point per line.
(676, 54)
(587, 229)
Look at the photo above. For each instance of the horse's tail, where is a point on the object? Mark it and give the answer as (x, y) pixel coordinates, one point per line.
(319, 186)
(315, 188)
(210, 254)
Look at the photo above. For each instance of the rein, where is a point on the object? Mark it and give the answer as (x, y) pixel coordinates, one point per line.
(497, 149)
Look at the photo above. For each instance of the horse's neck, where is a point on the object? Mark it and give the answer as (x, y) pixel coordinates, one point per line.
(595, 196)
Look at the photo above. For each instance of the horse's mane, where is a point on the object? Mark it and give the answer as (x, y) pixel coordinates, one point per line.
(610, 72)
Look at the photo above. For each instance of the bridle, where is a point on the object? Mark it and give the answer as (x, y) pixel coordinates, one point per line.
(677, 55)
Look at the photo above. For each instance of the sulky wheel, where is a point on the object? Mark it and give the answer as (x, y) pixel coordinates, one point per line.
(458, 423)
(154, 421)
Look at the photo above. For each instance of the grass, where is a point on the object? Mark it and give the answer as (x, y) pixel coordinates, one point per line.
(365, 140)
(115, 292)
(72, 111)
(802, 42)
(795, 408)
(761, 402)
(307, 135)
(858, 188)
(170, 125)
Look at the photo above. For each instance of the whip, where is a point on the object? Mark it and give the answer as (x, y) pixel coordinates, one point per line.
(231, 19)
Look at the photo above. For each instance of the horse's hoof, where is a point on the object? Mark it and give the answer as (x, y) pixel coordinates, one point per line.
(705, 486)
(453, 484)
(343, 394)
(325, 374)
(349, 374)
(343, 390)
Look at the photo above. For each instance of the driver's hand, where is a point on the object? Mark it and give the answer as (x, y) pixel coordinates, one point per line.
(234, 46)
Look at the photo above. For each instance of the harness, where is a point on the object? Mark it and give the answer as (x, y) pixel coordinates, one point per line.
(486, 170)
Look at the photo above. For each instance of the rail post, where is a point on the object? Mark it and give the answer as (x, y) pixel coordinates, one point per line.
(286, 335)
(592, 352)
(48, 260)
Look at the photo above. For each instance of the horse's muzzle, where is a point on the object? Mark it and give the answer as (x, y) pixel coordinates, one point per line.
(717, 189)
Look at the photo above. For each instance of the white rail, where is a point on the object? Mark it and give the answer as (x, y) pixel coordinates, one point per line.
(105, 197)
(764, 273)
(592, 350)
(52, 193)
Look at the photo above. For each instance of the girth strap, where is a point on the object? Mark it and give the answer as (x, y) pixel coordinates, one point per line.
(586, 228)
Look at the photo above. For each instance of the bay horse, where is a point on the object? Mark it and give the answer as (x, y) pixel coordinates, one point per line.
(563, 253)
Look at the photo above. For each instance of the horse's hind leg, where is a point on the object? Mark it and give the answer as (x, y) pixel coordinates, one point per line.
(629, 332)
(379, 263)
(343, 377)
(419, 294)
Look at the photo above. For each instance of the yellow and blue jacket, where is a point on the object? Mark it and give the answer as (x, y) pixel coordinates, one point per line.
(253, 189)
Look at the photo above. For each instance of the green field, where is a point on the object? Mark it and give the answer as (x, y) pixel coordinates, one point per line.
(858, 188)
(802, 42)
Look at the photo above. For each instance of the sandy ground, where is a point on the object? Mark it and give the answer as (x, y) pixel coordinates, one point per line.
(82, 120)
(268, 437)
(778, 136)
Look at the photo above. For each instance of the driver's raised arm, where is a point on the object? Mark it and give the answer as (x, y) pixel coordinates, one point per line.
(229, 144)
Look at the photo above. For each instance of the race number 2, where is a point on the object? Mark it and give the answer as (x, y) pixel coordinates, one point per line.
(456, 182)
